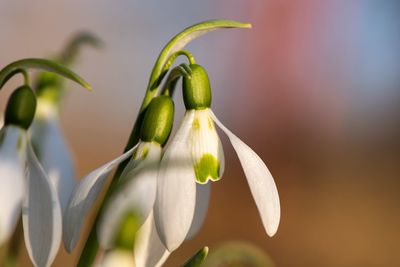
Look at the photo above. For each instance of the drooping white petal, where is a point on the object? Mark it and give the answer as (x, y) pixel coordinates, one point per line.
(176, 189)
(137, 194)
(83, 197)
(260, 180)
(41, 214)
(149, 251)
(202, 200)
(53, 153)
(12, 182)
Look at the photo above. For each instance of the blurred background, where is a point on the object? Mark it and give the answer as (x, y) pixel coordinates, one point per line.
(313, 87)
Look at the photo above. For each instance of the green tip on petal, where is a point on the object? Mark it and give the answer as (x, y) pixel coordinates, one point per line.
(125, 237)
(197, 259)
(207, 168)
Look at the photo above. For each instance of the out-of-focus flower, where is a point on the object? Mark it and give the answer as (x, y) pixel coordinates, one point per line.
(135, 193)
(52, 149)
(24, 184)
(195, 157)
(47, 136)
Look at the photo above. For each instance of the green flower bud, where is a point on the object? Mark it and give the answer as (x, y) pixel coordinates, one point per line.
(157, 121)
(196, 89)
(21, 107)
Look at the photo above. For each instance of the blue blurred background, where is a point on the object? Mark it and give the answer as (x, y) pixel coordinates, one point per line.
(313, 87)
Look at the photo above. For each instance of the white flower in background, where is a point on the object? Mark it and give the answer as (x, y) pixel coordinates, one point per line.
(25, 188)
(195, 157)
(52, 150)
(135, 193)
(47, 136)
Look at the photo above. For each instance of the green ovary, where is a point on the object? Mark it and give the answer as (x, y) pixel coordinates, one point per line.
(207, 168)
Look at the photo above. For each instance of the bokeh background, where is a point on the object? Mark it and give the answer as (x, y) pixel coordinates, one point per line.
(313, 87)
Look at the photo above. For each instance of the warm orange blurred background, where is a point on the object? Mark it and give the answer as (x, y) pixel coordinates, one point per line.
(313, 87)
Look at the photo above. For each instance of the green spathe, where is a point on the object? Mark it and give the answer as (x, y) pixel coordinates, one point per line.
(207, 168)
(196, 89)
(21, 107)
(158, 119)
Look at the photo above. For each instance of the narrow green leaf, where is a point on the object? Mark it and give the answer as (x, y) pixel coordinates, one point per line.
(197, 259)
(43, 64)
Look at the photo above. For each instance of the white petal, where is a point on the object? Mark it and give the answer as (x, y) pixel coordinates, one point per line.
(83, 197)
(12, 182)
(260, 180)
(118, 258)
(149, 251)
(202, 199)
(176, 189)
(221, 158)
(41, 214)
(137, 193)
(53, 153)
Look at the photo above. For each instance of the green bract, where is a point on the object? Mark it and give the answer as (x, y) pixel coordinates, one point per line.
(158, 119)
(196, 89)
(21, 107)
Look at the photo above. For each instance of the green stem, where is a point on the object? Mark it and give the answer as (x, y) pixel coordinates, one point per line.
(43, 64)
(164, 61)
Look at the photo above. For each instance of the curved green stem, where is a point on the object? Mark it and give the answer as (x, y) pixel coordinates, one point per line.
(173, 77)
(14, 72)
(71, 51)
(174, 56)
(43, 64)
(153, 89)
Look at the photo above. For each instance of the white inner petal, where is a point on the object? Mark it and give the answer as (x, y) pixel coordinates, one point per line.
(205, 147)
(149, 250)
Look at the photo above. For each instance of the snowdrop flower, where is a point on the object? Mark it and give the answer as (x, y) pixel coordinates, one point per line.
(135, 194)
(47, 136)
(52, 148)
(194, 158)
(25, 186)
